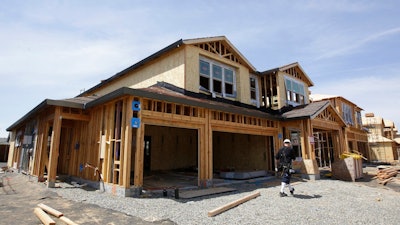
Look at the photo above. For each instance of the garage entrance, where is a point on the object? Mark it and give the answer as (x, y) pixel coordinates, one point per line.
(170, 157)
(241, 152)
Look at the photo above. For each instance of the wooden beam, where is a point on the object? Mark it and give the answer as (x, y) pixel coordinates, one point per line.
(233, 204)
(139, 154)
(54, 148)
(50, 210)
(67, 221)
(127, 149)
(71, 116)
(46, 220)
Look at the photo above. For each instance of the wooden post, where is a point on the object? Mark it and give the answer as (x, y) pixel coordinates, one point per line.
(127, 148)
(54, 148)
(233, 204)
(139, 155)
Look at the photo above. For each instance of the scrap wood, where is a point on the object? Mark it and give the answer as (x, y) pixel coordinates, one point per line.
(46, 220)
(67, 220)
(233, 204)
(384, 182)
(386, 175)
(50, 210)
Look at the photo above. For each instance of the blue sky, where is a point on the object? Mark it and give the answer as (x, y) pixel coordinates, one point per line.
(55, 49)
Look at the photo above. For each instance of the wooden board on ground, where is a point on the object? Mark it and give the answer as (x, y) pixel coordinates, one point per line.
(204, 192)
(233, 204)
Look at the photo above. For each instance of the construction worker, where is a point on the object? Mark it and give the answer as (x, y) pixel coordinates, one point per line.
(285, 156)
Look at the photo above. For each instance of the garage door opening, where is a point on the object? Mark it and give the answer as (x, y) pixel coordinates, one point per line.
(170, 157)
(241, 156)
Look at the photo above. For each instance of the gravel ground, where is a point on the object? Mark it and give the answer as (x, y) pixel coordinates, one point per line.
(323, 201)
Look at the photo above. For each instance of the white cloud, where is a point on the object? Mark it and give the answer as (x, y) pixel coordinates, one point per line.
(352, 44)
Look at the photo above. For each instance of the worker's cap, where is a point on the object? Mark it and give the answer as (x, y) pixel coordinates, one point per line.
(286, 141)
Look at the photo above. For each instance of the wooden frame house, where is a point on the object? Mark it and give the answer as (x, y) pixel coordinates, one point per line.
(381, 138)
(355, 135)
(197, 104)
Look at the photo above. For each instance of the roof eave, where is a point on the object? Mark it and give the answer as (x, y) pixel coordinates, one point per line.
(43, 105)
(145, 94)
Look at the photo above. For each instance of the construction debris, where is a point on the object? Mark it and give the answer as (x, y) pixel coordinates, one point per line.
(386, 175)
(41, 210)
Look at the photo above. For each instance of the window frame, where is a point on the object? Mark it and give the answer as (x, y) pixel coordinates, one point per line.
(298, 96)
(347, 113)
(223, 82)
(256, 100)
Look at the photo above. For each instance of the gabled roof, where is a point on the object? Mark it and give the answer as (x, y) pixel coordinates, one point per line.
(319, 97)
(375, 138)
(311, 111)
(295, 66)
(388, 123)
(225, 42)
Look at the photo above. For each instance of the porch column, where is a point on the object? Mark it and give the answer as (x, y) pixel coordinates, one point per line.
(127, 149)
(54, 148)
(205, 159)
(139, 156)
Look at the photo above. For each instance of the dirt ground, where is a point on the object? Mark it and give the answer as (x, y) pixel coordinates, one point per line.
(20, 196)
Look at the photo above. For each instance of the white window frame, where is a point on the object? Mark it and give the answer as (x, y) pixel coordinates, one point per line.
(293, 97)
(223, 81)
(255, 101)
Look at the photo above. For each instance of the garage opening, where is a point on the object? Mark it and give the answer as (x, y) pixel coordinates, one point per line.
(241, 156)
(170, 157)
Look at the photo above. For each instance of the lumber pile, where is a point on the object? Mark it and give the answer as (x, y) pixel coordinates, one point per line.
(43, 211)
(386, 175)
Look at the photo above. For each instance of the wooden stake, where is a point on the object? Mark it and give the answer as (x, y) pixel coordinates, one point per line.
(46, 220)
(233, 204)
(50, 210)
(67, 220)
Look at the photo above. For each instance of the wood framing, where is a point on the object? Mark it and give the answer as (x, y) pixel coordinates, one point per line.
(197, 103)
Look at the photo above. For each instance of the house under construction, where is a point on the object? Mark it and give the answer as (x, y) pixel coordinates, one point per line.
(197, 107)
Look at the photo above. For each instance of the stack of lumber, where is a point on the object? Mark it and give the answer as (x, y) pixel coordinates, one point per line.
(386, 175)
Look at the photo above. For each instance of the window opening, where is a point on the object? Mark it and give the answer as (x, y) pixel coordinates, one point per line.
(217, 78)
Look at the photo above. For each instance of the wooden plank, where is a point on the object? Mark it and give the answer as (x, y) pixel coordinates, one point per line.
(50, 210)
(232, 204)
(46, 220)
(67, 221)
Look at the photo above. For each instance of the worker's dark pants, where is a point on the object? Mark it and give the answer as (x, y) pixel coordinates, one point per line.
(286, 177)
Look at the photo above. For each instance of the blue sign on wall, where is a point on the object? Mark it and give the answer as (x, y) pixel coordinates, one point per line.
(135, 122)
(135, 105)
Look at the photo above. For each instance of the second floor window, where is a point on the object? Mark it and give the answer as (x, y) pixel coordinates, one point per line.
(347, 114)
(254, 90)
(359, 120)
(295, 92)
(217, 78)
